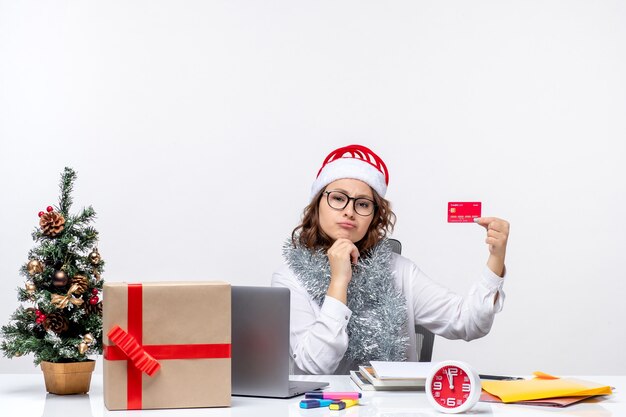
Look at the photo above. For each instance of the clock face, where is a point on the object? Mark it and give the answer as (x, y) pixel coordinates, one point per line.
(453, 387)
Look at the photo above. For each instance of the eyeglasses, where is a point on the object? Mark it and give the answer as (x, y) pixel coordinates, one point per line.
(339, 201)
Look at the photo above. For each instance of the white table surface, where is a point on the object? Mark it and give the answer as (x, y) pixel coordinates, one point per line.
(24, 395)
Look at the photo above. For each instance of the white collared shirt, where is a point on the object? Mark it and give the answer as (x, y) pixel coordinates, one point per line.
(319, 338)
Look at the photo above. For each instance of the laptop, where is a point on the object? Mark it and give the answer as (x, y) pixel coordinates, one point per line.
(260, 344)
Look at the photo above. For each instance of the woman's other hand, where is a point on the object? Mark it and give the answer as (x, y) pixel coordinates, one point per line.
(497, 237)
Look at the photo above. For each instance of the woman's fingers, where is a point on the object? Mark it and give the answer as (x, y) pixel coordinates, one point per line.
(497, 233)
(341, 255)
(344, 248)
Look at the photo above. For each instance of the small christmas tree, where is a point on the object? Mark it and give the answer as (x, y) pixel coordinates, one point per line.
(63, 320)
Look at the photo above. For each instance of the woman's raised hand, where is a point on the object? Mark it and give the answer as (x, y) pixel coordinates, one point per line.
(341, 256)
(497, 238)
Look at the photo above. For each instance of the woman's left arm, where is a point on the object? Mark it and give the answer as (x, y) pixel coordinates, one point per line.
(447, 313)
(450, 315)
(497, 237)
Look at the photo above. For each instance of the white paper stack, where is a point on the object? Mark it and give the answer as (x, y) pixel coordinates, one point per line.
(392, 375)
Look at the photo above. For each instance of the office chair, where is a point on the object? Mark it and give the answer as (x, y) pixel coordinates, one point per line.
(425, 338)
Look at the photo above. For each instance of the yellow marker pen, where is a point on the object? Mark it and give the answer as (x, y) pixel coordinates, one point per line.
(341, 404)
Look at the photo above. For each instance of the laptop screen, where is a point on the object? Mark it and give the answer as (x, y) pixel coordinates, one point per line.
(260, 341)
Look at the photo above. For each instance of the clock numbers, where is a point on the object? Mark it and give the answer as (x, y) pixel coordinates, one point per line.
(453, 387)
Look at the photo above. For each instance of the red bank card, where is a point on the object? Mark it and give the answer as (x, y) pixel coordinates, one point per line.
(463, 212)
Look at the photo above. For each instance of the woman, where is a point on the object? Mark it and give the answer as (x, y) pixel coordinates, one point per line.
(352, 299)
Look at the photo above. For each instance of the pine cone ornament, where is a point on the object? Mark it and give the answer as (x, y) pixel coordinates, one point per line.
(82, 282)
(31, 312)
(52, 223)
(93, 308)
(55, 322)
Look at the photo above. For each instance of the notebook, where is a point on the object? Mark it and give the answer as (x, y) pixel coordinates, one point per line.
(260, 344)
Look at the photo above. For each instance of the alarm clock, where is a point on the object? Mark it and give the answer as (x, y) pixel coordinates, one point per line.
(453, 387)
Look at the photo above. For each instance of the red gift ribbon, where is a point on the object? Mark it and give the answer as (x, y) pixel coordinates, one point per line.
(129, 347)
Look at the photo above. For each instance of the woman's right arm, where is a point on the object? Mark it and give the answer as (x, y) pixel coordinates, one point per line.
(318, 335)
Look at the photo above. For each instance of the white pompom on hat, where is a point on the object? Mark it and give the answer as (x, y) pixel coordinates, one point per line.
(356, 162)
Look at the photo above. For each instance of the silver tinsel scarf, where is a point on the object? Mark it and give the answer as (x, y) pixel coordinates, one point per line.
(377, 328)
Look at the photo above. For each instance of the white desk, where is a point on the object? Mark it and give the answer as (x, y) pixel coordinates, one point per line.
(24, 395)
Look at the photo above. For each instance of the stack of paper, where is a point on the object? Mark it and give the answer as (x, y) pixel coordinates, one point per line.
(544, 389)
(385, 376)
(363, 383)
(401, 370)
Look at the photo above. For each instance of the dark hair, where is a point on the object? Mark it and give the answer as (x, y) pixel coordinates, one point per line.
(312, 236)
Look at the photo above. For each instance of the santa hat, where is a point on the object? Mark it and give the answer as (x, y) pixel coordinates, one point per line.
(356, 162)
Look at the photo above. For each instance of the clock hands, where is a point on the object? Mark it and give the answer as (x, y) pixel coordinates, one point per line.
(450, 379)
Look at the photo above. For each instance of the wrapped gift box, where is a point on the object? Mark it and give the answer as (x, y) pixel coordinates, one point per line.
(166, 345)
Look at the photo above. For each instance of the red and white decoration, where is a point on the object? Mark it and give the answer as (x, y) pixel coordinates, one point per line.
(356, 162)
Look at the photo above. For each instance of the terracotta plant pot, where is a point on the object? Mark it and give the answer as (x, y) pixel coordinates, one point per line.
(68, 378)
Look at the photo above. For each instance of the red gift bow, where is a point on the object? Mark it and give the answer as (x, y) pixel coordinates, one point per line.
(141, 359)
(135, 331)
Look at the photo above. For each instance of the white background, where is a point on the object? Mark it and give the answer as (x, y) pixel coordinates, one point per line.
(197, 127)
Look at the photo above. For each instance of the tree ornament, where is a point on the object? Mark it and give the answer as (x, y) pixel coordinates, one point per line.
(34, 267)
(94, 300)
(94, 257)
(30, 288)
(49, 209)
(40, 317)
(82, 284)
(88, 338)
(93, 308)
(56, 322)
(52, 223)
(59, 279)
(94, 291)
(82, 348)
(41, 213)
(61, 301)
